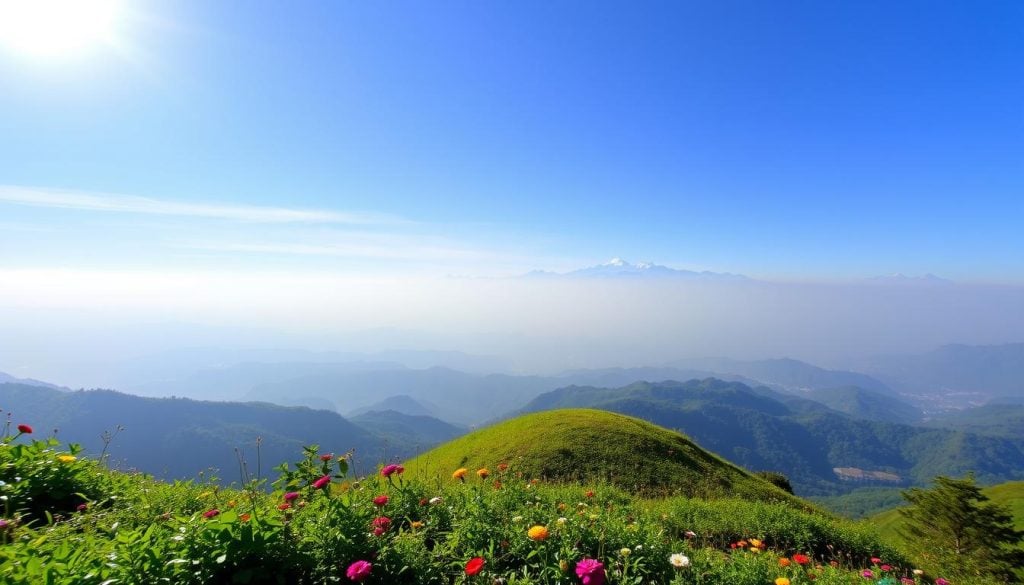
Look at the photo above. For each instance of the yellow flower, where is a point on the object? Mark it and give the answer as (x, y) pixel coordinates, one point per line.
(460, 473)
(625, 552)
(782, 581)
(66, 458)
(483, 472)
(415, 524)
(537, 533)
(755, 543)
(204, 495)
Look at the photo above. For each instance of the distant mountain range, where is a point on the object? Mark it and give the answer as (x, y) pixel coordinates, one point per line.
(786, 374)
(619, 268)
(986, 370)
(9, 379)
(178, 438)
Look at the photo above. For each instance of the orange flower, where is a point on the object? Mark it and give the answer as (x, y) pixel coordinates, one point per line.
(483, 472)
(537, 533)
(783, 562)
(502, 466)
(460, 473)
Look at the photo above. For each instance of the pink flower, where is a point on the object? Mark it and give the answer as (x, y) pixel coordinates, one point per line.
(381, 525)
(867, 574)
(380, 501)
(875, 560)
(327, 457)
(291, 496)
(82, 507)
(590, 571)
(886, 568)
(211, 513)
(941, 581)
(322, 482)
(907, 581)
(392, 468)
(358, 571)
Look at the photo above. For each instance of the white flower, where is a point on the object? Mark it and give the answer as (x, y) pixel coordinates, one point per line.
(517, 518)
(690, 534)
(435, 500)
(918, 572)
(562, 521)
(625, 551)
(679, 560)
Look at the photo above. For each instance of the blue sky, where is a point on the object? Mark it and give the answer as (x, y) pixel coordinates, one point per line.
(777, 139)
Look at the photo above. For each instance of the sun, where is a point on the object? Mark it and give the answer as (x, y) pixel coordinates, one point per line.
(57, 27)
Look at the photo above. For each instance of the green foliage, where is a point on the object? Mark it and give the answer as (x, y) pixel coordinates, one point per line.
(303, 529)
(577, 445)
(776, 479)
(954, 528)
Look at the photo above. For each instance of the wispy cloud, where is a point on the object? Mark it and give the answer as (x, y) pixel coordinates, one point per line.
(87, 201)
(400, 251)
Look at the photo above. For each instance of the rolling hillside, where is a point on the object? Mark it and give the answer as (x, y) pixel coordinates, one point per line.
(591, 446)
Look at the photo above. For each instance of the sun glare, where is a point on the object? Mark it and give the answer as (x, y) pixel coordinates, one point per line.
(57, 27)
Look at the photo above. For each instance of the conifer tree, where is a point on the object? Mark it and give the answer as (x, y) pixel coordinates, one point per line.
(956, 530)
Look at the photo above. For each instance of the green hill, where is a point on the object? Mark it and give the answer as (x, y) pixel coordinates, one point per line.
(763, 430)
(591, 446)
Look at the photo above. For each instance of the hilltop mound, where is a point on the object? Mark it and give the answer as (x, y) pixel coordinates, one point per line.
(591, 446)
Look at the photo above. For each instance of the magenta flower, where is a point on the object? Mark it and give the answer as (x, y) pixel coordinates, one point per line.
(380, 501)
(867, 574)
(381, 525)
(590, 571)
(290, 496)
(886, 568)
(322, 482)
(358, 571)
(907, 581)
(211, 513)
(941, 581)
(392, 468)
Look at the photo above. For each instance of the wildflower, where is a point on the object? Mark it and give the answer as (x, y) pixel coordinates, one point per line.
(918, 572)
(284, 506)
(690, 534)
(291, 496)
(416, 524)
(497, 484)
(25, 429)
(391, 469)
(801, 559)
(783, 562)
(886, 568)
(483, 472)
(517, 518)
(205, 494)
(589, 493)
(625, 551)
(474, 565)
(318, 484)
(679, 561)
(941, 581)
(906, 581)
(867, 574)
(562, 521)
(537, 533)
(4, 524)
(434, 500)
(563, 565)
(82, 507)
(381, 525)
(358, 571)
(232, 503)
(245, 517)
(211, 513)
(460, 474)
(424, 501)
(326, 457)
(755, 543)
(590, 571)
(782, 581)
(875, 560)
(502, 466)
(66, 458)
(380, 501)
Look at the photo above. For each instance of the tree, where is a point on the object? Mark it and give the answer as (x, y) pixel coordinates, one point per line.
(957, 531)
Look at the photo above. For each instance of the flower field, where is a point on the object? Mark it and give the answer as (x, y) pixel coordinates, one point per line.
(66, 519)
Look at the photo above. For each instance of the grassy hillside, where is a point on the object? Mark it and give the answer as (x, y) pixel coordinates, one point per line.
(68, 520)
(860, 403)
(592, 446)
(762, 430)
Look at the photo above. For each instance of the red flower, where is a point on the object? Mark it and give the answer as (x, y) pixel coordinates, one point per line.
(381, 525)
(380, 501)
(589, 494)
(284, 506)
(801, 559)
(322, 482)
(392, 468)
(211, 513)
(327, 457)
(474, 565)
(25, 429)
